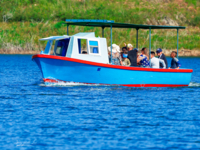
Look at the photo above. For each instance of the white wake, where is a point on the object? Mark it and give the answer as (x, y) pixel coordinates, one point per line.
(193, 84)
(69, 84)
(60, 83)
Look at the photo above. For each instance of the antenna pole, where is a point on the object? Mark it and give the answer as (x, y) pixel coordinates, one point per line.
(177, 43)
(150, 46)
(67, 29)
(111, 41)
(103, 31)
(137, 38)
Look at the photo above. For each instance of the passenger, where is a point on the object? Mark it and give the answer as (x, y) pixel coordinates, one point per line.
(144, 52)
(155, 62)
(116, 57)
(161, 56)
(132, 55)
(125, 60)
(175, 64)
(84, 52)
(143, 59)
(109, 56)
(124, 49)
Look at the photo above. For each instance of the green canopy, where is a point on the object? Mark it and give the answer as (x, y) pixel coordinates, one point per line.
(111, 24)
(108, 23)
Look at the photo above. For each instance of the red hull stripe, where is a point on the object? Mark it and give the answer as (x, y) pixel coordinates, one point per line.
(111, 66)
(129, 85)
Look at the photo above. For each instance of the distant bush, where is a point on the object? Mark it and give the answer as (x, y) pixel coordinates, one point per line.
(194, 2)
(137, 11)
(30, 20)
(195, 21)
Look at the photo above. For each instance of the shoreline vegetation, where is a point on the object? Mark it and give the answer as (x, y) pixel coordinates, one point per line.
(182, 53)
(23, 23)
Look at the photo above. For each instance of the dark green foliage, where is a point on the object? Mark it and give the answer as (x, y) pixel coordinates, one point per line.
(59, 25)
(137, 11)
(194, 2)
(24, 22)
(195, 21)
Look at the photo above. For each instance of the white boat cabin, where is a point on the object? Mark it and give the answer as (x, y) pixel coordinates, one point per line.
(84, 46)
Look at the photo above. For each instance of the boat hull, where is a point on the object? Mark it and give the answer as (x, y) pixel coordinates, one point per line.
(56, 68)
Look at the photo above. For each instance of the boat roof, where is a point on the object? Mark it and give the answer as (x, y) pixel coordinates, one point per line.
(109, 23)
(54, 38)
(81, 34)
(85, 34)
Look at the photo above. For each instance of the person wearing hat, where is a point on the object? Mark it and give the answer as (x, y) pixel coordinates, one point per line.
(161, 56)
(132, 55)
(116, 57)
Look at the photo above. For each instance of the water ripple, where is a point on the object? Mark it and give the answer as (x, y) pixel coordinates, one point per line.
(79, 116)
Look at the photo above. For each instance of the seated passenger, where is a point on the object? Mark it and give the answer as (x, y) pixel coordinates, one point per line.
(124, 49)
(116, 57)
(84, 52)
(132, 55)
(155, 62)
(125, 60)
(161, 56)
(109, 56)
(143, 59)
(175, 64)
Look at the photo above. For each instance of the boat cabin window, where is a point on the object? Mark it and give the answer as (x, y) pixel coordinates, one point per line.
(94, 47)
(82, 46)
(61, 48)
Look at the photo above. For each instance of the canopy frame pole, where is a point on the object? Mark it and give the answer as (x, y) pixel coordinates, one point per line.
(102, 31)
(67, 29)
(111, 42)
(150, 46)
(137, 37)
(177, 41)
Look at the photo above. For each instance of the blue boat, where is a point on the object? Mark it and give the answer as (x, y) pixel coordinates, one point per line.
(68, 63)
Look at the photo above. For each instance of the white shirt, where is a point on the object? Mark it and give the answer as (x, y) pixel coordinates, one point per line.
(155, 62)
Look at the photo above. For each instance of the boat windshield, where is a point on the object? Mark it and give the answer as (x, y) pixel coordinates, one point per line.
(61, 47)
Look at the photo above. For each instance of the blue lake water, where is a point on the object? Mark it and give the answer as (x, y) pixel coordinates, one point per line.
(35, 116)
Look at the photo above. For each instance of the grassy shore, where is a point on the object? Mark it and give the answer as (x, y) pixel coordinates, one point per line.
(24, 22)
(22, 36)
